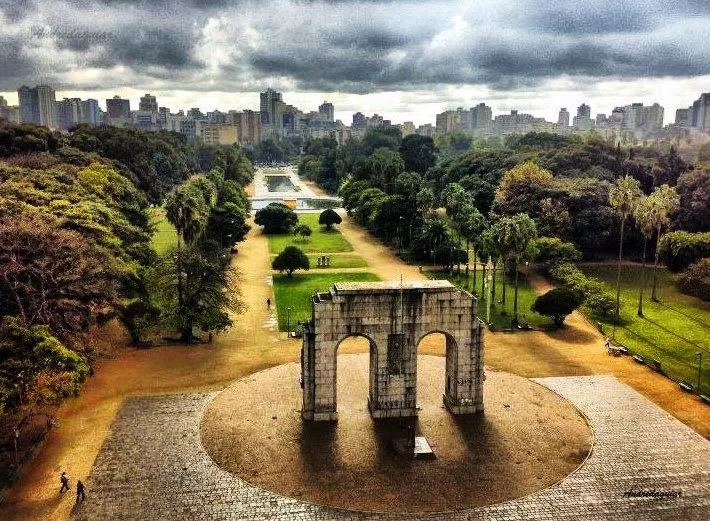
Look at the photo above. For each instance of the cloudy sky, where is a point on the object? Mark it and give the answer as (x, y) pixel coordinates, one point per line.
(407, 59)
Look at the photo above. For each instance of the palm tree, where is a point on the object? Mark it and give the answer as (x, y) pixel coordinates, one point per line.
(525, 231)
(505, 233)
(472, 225)
(186, 210)
(666, 202)
(645, 215)
(433, 233)
(623, 196)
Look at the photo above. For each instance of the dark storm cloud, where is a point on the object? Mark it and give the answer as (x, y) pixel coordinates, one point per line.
(372, 46)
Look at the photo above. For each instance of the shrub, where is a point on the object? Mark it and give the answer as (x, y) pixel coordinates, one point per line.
(557, 304)
(696, 279)
(329, 217)
(302, 232)
(276, 218)
(681, 249)
(549, 251)
(592, 290)
(291, 259)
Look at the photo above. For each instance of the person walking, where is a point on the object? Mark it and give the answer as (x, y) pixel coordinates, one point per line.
(64, 480)
(268, 303)
(80, 491)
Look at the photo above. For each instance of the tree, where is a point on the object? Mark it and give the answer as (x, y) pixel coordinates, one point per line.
(557, 304)
(623, 196)
(54, 277)
(209, 293)
(694, 191)
(679, 250)
(432, 234)
(302, 231)
(550, 251)
(522, 189)
(138, 316)
(695, 280)
(447, 255)
(418, 153)
(646, 216)
(276, 218)
(291, 259)
(512, 236)
(665, 202)
(187, 210)
(329, 217)
(472, 225)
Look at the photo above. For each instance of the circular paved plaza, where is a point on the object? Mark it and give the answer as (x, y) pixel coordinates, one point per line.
(528, 438)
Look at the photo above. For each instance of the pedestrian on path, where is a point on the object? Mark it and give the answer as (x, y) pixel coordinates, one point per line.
(268, 303)
(64, 480)
(608, 343)
(80, 491)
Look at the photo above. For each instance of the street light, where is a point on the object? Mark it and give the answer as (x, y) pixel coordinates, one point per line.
(700, 365)
(288, 323)
(489, 277)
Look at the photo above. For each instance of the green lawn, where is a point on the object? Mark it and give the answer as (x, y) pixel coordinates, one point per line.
(672, 330)
(337, 260)
(164, 235)
(501, 317)
(296, 292)
(322, 241)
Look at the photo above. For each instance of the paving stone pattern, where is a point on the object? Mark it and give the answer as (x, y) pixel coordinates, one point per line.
(152, 466)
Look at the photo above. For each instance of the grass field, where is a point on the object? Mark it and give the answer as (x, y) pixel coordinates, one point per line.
(672, 330)
(164, 236)
(295, 292)
(345, 260)
(500, 317)
(321, 241)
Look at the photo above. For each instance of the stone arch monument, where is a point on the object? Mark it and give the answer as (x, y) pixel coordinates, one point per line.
(393, 317)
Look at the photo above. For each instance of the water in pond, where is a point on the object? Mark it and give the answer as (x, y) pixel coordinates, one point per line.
(279, 183)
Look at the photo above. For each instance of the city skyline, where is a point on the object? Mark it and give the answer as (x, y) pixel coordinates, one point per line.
(405, 60)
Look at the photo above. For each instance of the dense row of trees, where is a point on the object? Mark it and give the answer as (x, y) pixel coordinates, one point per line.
(499, 197)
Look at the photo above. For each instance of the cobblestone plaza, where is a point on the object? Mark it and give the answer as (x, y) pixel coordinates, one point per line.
(153, 466)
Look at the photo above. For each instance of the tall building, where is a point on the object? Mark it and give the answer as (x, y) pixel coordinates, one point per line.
(268, 107)
(701, 112)
(359, 120)
(327, 111)
(38, 105)
(407, 128)
(249, 127)
(28, 104)
(118, 109)
(684, 117)
(148, 103)
(584, 111)
(481, 117)
(563, 118)
(68, 112)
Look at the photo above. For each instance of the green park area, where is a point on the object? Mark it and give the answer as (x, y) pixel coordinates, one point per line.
(671, 331)
(295, 292)
(164, 234)
(501, 316)
(321, 241)
(337, 260)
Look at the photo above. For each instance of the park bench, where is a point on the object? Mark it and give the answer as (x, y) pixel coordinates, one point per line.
(705, 398)
(639, 359)
(657, 365)
(685, 386)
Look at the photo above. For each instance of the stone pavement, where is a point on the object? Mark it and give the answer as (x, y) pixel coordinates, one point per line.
(152, 466)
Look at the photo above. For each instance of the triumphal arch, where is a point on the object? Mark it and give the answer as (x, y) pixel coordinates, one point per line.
(393, 317)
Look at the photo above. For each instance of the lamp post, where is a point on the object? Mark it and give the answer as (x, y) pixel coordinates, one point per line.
(700, 365)
(17, 459)
(288, 323)
(489, 278)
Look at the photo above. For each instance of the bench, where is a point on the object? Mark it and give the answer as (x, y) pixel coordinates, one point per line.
(657, 365)
(705, 398)
(685, 386)
(639, 359)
